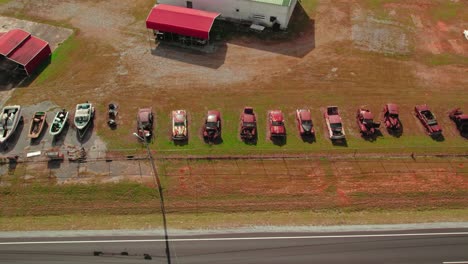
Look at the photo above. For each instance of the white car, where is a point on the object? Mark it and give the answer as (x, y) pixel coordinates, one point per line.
(179, 125)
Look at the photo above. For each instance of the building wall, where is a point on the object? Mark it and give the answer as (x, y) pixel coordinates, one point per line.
(258, 13)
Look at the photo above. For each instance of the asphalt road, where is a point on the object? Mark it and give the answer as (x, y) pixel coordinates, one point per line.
(449, 246)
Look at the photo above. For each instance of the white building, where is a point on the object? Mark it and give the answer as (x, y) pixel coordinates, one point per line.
(262, 12)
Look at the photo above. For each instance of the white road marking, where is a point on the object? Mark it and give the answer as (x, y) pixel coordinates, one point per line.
(455, 262)
(232, 238)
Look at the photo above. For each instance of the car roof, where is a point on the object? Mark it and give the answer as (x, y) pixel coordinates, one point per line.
(392, 108)
(212, 118)
(248, 118)
(276, 115)
(334, 119)
(305, 114)
(143, 114)
(423, 107)
(367, 115)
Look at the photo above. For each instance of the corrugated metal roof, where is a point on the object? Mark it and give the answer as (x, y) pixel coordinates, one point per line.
(181, 20)
(275, 2)
(21, 47)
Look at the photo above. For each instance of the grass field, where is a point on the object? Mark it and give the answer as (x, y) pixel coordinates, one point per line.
(229, 220)
(332, 59)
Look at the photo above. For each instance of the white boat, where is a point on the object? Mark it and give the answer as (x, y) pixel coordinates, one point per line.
(84, 113)
(9, 119)
(59, 122)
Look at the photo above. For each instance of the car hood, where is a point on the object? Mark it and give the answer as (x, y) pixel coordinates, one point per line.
(179, 130)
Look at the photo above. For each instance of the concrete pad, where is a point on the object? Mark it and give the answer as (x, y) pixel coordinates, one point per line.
(52, 34)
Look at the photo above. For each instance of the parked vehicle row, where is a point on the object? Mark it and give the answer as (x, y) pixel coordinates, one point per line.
(277, 129)
(212, 127)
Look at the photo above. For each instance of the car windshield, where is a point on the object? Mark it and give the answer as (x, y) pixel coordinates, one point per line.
(277, 123)
(335, 126)
(179, 124)
(394, 115)
(307, 122)
(368, 121)
(248, 124)
(211, 124)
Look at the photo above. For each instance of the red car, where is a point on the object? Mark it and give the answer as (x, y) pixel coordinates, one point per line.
(428, 120)
(212, 126)
(304, 122)
(334, 124)
(391, 117)
(276, 124)
(248, 124)
(145, 121)
(365, 121)
(460, 119)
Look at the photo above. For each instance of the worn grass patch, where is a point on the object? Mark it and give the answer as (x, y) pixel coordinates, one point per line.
(446, 59)
(230, 220)
(39, 199)
(60, 60)
(447, 10)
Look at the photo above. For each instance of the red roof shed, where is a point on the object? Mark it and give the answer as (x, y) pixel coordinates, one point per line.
(24, 49)
(180, 20)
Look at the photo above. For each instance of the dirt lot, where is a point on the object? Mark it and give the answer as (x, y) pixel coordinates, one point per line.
(237, 185)
(345, 53)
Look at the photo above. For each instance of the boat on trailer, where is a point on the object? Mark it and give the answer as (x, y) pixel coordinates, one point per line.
(37, 124)
(60, 120)
(9, 119)
(84, 113)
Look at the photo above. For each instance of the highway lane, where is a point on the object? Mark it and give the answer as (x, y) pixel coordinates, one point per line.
(448, 246)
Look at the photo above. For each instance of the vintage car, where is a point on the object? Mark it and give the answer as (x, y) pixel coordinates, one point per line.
(212, 126)
(334, 124)
(179, 125)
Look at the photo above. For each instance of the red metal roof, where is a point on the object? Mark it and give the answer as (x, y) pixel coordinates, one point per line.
(21, 47)
(11, 40)
(180, 20)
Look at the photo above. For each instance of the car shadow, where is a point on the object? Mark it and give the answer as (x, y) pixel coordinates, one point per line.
(464, 134)
(85, 136)
(279, 141)
(54, 164)
(251, 142)
(181, 143)
(209, 60)
(373, 137)
(216, 141)
(308, 138)
(438, 138)
(59, 139)
(340, 142)
(300, 32)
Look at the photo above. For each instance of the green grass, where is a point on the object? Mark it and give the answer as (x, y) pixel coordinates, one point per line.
(446, 59)
(310, 6)
(4, 1)
(447, 10)
(60, 60)
(230, 220)
(232, 145)
(19, 199)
